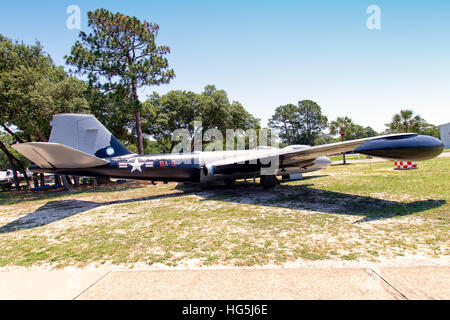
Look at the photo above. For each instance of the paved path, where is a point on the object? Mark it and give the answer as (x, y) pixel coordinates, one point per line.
(282, 283)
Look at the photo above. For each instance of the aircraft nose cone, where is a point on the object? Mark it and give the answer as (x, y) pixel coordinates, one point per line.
(413, 148)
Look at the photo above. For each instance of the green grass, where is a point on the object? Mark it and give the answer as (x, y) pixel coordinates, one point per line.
(348, 157)
(359, 211)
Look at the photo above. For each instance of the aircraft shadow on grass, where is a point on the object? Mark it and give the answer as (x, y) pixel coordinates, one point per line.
(296, 197)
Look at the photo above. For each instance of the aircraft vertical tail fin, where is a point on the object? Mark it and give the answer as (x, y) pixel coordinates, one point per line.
(85, 133)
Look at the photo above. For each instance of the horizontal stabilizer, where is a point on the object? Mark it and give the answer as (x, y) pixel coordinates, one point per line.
(57, 156)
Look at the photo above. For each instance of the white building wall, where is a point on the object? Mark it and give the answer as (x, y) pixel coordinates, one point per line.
(445, 134)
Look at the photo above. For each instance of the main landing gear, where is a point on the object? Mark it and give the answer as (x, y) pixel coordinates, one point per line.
(230, 183)
(268, 182)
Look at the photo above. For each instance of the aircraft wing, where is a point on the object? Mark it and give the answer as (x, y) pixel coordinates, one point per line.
(57, 156)
(405, 146)
(341, 147)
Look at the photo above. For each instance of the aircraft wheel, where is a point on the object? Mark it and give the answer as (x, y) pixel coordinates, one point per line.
(268, 182)
(230, 183)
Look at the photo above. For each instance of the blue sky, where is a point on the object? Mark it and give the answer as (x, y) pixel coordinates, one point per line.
(269, 53)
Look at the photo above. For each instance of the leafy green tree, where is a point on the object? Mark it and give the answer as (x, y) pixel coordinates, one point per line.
(324, 138)
(432, 130)
(32, 90)
(217, 112)
(312, 120)
(286, 121)
(348, 130)
(121, 53)
(401, 122)
(342, 126)
(300, 124)
(11, 159)
(241, 118)
(152, 147)
(162, 115)
(359, 132)
(110, 109)
(406, 121)
(30, 99)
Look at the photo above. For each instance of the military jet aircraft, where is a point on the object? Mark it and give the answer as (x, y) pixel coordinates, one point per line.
(80, 145)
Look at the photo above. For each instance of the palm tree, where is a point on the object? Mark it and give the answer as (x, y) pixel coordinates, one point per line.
(341, 125)
(404, 122)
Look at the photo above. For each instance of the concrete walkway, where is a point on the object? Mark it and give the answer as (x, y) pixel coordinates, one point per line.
(277, 283)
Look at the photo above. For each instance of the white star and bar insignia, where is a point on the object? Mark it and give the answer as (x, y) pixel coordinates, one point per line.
(136, 166)
(123, 165)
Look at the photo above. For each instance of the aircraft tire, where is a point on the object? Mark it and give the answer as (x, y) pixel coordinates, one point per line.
(268, 182)
(230, 183)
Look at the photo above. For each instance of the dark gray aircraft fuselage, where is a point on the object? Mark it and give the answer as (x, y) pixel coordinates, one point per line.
(80, 145)
(189, 167)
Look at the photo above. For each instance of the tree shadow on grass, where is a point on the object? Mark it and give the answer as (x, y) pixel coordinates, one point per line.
(14, 197)
(305, 197)
(299, 197)
(58, 210)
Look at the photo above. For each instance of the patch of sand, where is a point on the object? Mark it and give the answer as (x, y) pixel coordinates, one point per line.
(196, 264)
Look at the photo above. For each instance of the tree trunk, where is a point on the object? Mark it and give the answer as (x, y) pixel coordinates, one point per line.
(57, 180)
(42, 179)
(137, 113)
(12, 133)
(65, 183)
(16, 178)
(10, 155)
(40, 136)
(35, 180)
(11, 162)
(139, 132)
(342, 133)
(23, 170)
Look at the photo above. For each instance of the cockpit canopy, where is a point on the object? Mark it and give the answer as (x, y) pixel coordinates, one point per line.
(297, 147)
